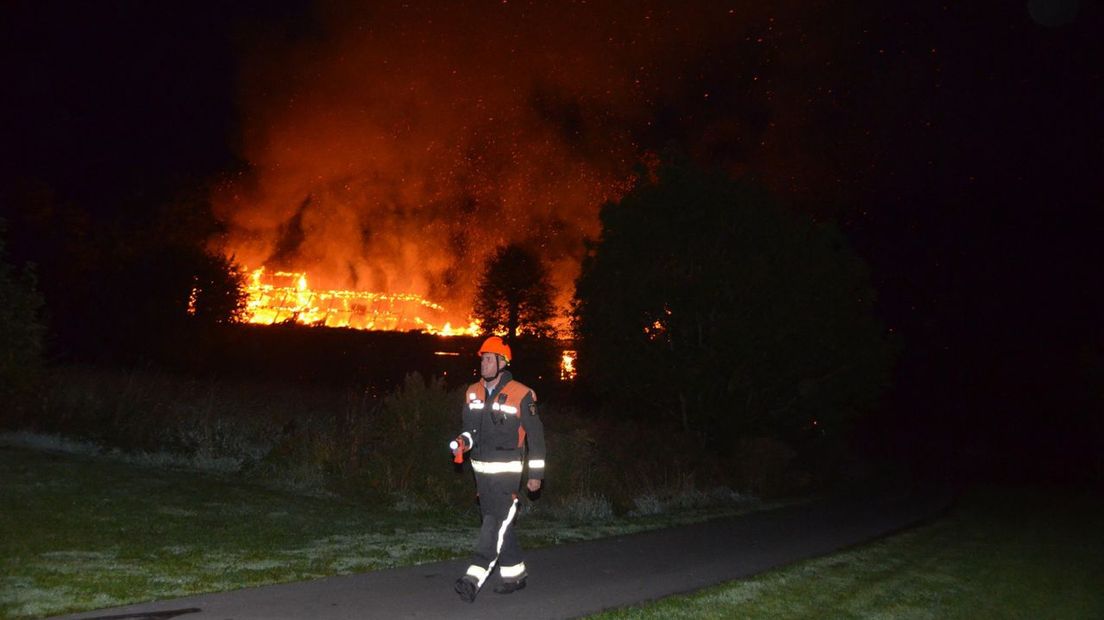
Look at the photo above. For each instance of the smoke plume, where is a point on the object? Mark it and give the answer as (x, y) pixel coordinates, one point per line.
(393, 146)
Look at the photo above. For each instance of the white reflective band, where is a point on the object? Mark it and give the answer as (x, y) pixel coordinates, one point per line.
(502, 535)
(468, 436)
(478, 572)
(495, 405)
(509, 467)
(536, 463)
(512, 572)
(509, 409)
(471, 396)
(475, 405)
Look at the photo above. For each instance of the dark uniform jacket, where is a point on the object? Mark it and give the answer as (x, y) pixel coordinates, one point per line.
(499, 426)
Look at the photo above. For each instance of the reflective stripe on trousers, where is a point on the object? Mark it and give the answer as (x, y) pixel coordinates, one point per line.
(478, 572)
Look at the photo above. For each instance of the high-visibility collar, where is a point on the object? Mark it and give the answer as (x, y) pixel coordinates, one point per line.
(504, 377)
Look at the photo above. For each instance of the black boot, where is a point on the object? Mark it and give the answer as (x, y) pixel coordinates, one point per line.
(507, 587)
(466, 589)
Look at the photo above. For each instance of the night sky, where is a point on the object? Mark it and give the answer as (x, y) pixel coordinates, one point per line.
(391, 146)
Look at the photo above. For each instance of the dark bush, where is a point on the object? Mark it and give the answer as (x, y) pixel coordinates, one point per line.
(706, 308)
(21, 334)
(407, 440)
(390, 448)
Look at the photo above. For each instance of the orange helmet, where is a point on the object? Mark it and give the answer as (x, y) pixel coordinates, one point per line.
(495, 345)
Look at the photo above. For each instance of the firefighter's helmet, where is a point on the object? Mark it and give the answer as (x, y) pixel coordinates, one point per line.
(495, 345)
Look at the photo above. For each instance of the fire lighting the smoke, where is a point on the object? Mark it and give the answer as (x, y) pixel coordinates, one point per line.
(286, 297)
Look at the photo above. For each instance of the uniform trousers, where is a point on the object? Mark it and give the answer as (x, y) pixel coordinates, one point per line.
(498, 544)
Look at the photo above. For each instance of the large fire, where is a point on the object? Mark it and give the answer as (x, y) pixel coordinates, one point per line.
(285, 296)
(385, 148)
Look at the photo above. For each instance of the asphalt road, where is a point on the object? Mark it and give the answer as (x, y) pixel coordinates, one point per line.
(570, 580)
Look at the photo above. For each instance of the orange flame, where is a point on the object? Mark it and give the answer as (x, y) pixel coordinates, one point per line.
(286, 297)
(567, 365)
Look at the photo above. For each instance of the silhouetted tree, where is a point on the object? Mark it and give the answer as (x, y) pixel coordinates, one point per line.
(709, 307)
(186, 276)
(514, 295)
(218, 292)
(160, 299)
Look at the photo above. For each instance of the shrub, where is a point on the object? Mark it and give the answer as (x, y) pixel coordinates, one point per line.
(21, 333)
(766, 466)
(390, 449)
(407, 442)
(707, 308)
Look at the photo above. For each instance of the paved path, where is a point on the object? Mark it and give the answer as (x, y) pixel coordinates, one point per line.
(569, 580)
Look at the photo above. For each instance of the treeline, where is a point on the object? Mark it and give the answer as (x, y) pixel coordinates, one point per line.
(21, 331)
(116, 279)
(707, 309)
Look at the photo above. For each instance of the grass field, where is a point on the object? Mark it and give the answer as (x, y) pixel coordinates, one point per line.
(80, 532)
(999, 554)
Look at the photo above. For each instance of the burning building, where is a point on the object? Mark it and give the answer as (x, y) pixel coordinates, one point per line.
(283, 297)
(392, 147)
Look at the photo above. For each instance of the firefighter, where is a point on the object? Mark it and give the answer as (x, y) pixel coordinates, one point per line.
(500, 422)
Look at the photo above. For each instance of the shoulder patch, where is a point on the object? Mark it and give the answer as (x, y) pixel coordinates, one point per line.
(533, 408)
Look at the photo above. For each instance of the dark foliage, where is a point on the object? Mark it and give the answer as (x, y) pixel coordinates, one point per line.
(21, 331)
(708, 308)
(218, 290)
(409, 429)
(514, 295)
(123, 288)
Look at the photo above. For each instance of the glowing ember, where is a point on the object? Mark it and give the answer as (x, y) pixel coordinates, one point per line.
(286, 297)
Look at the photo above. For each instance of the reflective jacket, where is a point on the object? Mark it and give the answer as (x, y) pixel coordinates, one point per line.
(500, 425)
